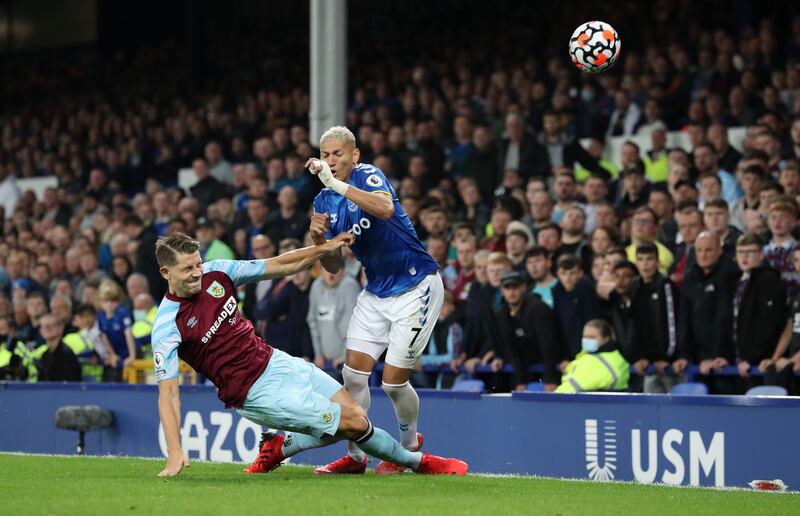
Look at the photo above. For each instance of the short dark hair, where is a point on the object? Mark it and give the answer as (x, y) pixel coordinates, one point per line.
(168, 248)
(755, 170)
(757, 154)
(626, 264)
(717, 203)
(569, 262)
(549, 225)
(537, 250)
(711, 175)
(647, 248)
(86, 309)
(749, 239)
(132, 220)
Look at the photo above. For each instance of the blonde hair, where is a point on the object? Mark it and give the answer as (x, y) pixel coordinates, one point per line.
(109, 290)
(338, 133)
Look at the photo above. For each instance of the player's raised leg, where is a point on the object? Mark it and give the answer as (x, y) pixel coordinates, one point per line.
(415, 314)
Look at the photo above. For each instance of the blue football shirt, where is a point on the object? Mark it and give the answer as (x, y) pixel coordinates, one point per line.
(390, 251)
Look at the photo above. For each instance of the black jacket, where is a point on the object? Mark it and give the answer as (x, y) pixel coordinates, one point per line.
(60, 365)
(654, 314)
(480, 323)
(533, 159)
(704, 316)
(574, 309)
(482, 166)
(618, 312)
(762, 315)
(528, 338)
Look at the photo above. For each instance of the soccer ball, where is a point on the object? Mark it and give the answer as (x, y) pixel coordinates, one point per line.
(594, 47)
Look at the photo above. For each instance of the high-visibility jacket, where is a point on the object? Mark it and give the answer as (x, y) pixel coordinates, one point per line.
(10, 349)
(79, 344)
(141, 331)
(606, 370)
(656, 170)
(582, 174)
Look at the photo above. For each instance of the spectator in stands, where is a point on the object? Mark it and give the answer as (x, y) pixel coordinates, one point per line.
(538, 265)
(36, 307)
(211, 247)
(464, 267)
(655, 159)
(625, 117)
(9, 191)
(57, 361)
(752, 180)
(520, 151)
(616, 305)
(288, 221)
(654, 316)
(443, 349)
(662, 204)
(595, 193)
(299, 331)
(549, 237)
(219, 168)
(208, 188)
(794, 154)
(573, 225)
(254, 293)
(634, 190)
(759, 307)
(541, 210)
(706, 161)
(575, 302)
(518, 240)
(481, 165)
(16, 361)
(728, 156)
(501, 218)
(782, 217)
(644, 229)
(528, 332)
(716, 219)
(704, 327)
(599, 366)
(710, 188)
(564, 150)
(789, 178)
(331, 301)
(145, 262)
(690, 224)
(481, 334)
(565, 192)
(115, 323)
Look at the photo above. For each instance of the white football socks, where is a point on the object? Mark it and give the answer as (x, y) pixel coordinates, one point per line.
(406, 406)
(357, 384)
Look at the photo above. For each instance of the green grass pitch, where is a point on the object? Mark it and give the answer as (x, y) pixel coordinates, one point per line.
(110, 485)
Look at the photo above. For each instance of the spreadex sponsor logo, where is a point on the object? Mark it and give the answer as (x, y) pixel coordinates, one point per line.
(227, 311)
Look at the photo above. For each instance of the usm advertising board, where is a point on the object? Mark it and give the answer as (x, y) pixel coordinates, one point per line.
(681, 440)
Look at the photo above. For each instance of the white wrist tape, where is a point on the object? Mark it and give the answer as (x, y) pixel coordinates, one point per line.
(326, 176)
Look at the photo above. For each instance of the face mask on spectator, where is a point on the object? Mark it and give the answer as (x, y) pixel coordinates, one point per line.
(587, 95)
(139, 315)
(590, 345)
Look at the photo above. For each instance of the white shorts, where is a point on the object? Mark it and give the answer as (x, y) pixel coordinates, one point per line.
(404, 322)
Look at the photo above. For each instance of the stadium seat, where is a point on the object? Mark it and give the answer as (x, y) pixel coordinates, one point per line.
(767, 390)
(690, 389)
(469, 386)
(534, 387)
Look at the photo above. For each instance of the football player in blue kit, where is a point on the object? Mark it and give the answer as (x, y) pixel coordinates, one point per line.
(400, 304)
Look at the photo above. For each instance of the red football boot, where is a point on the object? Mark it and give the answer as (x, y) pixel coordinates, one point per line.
(433, 465)
(390, 468)
(344, 466)
(270, 454)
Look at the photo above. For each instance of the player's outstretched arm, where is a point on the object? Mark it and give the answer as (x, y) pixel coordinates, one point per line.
(169, 409)
(301, 259)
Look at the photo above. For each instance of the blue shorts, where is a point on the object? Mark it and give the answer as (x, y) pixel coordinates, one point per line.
(293, 395)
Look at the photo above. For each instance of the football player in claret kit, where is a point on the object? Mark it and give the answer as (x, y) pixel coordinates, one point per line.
(399, 307)
(199, 321)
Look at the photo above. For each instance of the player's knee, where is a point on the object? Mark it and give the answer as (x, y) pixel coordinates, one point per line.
(353, 422)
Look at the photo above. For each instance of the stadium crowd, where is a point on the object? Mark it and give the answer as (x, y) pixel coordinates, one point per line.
(690, 255)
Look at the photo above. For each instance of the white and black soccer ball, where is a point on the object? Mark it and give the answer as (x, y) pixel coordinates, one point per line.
(594, 47)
